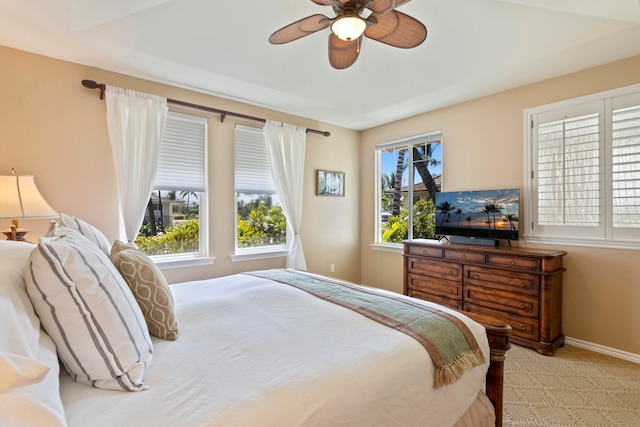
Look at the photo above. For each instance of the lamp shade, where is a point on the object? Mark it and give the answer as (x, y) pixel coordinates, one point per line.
(348, 27)
(20, 199)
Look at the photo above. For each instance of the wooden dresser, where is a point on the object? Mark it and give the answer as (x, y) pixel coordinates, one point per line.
(519, 286)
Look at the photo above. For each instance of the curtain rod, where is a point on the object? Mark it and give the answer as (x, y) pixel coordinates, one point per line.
(90, 84)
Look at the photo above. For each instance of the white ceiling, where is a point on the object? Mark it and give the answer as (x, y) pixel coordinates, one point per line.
(474, 48)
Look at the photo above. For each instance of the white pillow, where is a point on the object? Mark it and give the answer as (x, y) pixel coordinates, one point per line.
(38, 403)
(17, 371)
(19, 323)
(87, 230)
(89, 311)
(29, 384)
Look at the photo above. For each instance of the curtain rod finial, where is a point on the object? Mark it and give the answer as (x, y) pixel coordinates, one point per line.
(91, 84)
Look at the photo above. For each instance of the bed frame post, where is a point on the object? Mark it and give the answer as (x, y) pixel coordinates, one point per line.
(498, 335)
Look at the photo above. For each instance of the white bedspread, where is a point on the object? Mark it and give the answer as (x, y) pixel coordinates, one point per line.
(256, 353)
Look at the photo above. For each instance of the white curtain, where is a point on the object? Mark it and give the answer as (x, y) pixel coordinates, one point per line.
(285, 146)
(135, 121)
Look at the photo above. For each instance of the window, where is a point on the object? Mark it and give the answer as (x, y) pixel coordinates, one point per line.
(403, 210)
(260, 223)
(583, 171)
(172, 229)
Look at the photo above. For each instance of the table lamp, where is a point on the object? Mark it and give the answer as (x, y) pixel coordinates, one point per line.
(20, 199)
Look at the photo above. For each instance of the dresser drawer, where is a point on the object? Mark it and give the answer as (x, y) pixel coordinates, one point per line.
(524, 327)
(522, 305)
(433, 285)
(433, 252)
(524, 283)
(451, 303)
(464, 256)
(432, 268)
(507, 260)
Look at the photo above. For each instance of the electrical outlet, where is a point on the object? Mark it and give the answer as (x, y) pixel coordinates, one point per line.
(333, 268)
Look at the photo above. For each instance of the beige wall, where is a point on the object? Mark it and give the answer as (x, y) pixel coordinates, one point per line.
(53, 127)
(483, 149)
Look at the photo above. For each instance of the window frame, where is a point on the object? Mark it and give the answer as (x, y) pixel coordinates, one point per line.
(411, 141)
(605, 235)
(255, 252)
(201, 257)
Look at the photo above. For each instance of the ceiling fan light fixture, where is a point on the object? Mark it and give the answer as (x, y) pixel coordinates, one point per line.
(354, 20)
(348, 27)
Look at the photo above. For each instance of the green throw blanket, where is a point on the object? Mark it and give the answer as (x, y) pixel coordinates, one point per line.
(449, 342)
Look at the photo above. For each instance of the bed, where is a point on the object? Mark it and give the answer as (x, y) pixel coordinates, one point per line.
(251, 349)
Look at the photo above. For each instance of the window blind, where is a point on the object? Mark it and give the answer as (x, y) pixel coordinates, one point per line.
(251, 160)
(626, 166)
(568, 176)
(181, 163)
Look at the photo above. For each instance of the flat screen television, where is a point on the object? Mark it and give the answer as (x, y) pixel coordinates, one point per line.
(483, 214)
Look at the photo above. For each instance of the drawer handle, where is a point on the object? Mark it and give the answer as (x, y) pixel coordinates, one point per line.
(523, 284)
(522, 305)
(424, 252)
(523, 327)
(464, 256)
(450, 290)
(476, 276)
(451, 273)
(511, 262)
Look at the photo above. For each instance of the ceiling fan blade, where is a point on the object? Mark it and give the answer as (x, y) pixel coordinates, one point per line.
(299, 29)
(396, 29)
(342, 54)
(383, 6)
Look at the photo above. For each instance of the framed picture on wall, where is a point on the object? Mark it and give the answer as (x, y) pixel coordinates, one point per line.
(329, 183)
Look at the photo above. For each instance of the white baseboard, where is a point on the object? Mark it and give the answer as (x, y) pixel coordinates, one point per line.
(604, 350)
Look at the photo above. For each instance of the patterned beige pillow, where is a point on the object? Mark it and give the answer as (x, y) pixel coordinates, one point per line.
(149, 287)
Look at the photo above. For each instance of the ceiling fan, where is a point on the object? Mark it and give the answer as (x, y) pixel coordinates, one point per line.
(382, 23)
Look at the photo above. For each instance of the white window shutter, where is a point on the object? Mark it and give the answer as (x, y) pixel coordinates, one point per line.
(625, 158)
(584, 170)
(568, 178)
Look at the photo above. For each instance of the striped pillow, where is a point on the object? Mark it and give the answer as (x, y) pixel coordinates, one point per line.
(89, 311)
(149, 287)
(87, 230)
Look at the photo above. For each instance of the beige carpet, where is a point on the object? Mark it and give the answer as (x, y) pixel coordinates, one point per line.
(576, 387)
